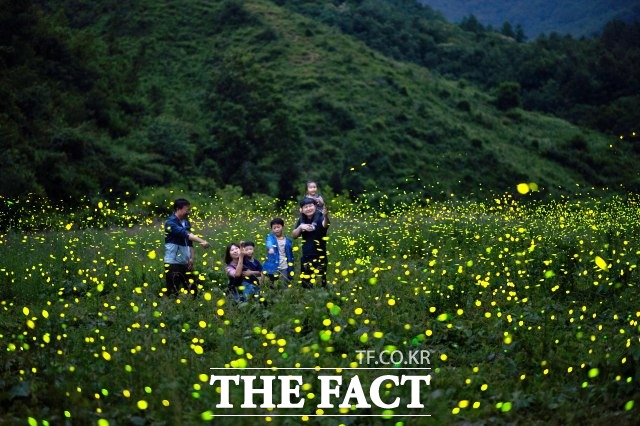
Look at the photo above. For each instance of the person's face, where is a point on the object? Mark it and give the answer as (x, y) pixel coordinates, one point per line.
(277, 230)
(183, 212)
(308, 210)
(312, 188)
(234, 251)
(248, 251)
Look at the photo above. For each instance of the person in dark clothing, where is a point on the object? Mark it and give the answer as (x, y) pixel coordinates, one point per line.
(252, 267)
(312, 226)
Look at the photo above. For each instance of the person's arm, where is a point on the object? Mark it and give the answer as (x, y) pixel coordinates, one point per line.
(203, 243)
(289, 252)
(256, 268)
(296, 232)
(271, 248)
(298, 229)
(252, 272)
(238, 271)
(259, 273)
(192, 254)
(326, 221)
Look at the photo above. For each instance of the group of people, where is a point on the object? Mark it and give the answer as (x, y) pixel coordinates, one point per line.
(247, 274)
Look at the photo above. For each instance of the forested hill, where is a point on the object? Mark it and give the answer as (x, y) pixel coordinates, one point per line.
(593, 82)
(536, 17)
(109, 97)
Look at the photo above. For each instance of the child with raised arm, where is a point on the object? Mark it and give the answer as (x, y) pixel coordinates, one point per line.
(279, 263)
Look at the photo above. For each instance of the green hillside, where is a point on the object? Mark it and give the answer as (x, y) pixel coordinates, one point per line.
(591, 82)
(111, 97)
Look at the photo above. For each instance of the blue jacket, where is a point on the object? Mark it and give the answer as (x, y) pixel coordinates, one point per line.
(176, 241)
(270, 265)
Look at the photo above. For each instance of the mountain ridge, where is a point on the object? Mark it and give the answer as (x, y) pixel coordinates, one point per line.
(251, 95)
(537, 17)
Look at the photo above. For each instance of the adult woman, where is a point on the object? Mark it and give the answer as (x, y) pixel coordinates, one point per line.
(239, 287)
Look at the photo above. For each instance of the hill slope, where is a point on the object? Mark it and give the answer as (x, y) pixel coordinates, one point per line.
(248, 94)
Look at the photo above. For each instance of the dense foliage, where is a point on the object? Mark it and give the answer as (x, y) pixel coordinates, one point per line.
(573, 17)
(529, 311)
(105, 99)
(64, 110)
(590, 81)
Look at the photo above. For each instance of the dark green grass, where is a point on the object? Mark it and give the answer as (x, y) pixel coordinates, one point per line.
(521, 324)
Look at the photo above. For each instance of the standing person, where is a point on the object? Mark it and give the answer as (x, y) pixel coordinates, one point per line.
(312, 227)
(179, 253)
(312, 192)
(239, 288)
(279, 263)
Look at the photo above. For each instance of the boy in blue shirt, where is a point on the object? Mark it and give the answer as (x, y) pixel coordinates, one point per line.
(279, 263)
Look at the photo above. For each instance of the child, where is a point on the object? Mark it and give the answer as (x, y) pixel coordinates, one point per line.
(279, 263)
(239, 288)
(252, 269)
(312, 192)
(312, 226)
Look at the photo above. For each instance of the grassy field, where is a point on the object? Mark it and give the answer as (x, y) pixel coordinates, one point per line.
(528, 309)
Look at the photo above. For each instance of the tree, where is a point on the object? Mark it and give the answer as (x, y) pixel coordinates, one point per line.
(470, 23)
(169, 137)
(520, 37)
(508, 95)
(250, 125)
(507, 30)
